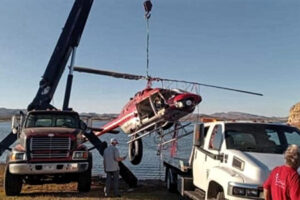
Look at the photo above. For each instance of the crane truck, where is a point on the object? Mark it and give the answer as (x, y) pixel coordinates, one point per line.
(229, 160)
(49, 142)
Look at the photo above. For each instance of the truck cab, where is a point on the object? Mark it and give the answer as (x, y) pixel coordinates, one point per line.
(49, 149)
(231, 160)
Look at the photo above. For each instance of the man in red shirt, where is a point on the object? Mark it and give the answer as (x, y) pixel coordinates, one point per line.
(284, 181)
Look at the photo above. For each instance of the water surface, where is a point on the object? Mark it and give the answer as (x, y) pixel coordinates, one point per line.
(151, 165)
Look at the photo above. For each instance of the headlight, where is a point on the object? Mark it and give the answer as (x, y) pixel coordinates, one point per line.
(238, 191)
(188, 102)
(80, 155)
(252, 192)
(179, 104)
(18, 156)
(245, 190)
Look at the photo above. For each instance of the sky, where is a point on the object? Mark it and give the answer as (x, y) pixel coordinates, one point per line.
(245, 44)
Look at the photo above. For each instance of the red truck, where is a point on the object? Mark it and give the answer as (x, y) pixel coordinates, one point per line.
(50, 141)
(49, 149)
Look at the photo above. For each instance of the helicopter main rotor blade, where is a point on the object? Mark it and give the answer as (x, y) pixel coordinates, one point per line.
(109, 73)
(207, 85)
(138, 77)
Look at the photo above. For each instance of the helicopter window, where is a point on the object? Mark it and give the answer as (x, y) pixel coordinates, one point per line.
(179, 91)
(167, 94)
(158, 102)
(144, 109)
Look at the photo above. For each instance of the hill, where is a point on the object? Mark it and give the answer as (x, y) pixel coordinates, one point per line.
(236, 116)
(5, 114)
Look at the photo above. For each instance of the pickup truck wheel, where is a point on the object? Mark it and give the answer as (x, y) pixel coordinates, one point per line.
(12, 183)
(135, 151)
(85, 178)
(220, 195)
(171, 180)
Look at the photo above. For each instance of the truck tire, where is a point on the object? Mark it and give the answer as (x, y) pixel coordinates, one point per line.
(135, 151)
(12, 183)
(85, 178)
(220, 195)
(215, 192)
(171, 180)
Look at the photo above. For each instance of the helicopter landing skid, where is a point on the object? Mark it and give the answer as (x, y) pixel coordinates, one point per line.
(153, 126)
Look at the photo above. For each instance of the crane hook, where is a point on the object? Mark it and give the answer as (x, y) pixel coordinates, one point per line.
(148, 7)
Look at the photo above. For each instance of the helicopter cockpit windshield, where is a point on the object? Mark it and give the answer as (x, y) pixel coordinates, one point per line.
(167, 94)
(145, 109)
(179, 91)
(157, 101)
(149, 107)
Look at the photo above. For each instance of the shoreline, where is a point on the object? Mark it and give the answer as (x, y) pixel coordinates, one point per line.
(150, 189)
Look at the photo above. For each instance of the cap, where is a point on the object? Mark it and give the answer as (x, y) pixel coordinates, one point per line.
(114, 140)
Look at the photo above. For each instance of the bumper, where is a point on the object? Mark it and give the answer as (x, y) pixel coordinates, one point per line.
(47, 168)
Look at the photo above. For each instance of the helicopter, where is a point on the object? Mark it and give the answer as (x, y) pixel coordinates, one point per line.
(151, 109)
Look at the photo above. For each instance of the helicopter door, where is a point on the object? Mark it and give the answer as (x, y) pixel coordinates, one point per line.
(145, 109)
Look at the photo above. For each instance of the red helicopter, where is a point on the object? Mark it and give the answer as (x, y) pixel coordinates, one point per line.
(150, 110)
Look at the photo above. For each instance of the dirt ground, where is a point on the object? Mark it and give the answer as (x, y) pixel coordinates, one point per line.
(147, 190)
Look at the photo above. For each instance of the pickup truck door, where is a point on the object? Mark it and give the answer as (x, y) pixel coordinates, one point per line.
(207, 156)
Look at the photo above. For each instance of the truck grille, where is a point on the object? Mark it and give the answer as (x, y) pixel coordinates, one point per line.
(50, 147)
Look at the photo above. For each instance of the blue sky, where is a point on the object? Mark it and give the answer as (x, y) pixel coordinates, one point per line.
(245, 44)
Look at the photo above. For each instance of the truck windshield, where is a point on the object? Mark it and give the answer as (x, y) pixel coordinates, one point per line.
(261, 138)
(47, 120)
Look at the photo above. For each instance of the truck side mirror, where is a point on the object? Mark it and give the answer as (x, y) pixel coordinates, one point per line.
(198, 135)
(83, 125)
(14, 124)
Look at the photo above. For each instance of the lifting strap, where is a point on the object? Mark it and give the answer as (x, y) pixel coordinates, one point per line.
(147, 7)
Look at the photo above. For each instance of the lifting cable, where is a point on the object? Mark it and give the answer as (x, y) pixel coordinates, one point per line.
(197, 89)
(147, 7)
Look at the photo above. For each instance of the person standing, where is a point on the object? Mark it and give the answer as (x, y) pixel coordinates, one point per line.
(284, 181)
(111, 157)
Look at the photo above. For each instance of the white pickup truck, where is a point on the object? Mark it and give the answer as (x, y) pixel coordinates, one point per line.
(230, 160)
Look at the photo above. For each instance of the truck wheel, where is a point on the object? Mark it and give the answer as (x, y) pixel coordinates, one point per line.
(135, 151)
(171, 180)
(85, 178)
(12, 183)
(220, 195)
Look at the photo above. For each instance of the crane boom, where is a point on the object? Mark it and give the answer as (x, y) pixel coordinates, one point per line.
(68, 40)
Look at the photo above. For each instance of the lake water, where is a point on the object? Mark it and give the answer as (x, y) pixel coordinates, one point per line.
(151, 165)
